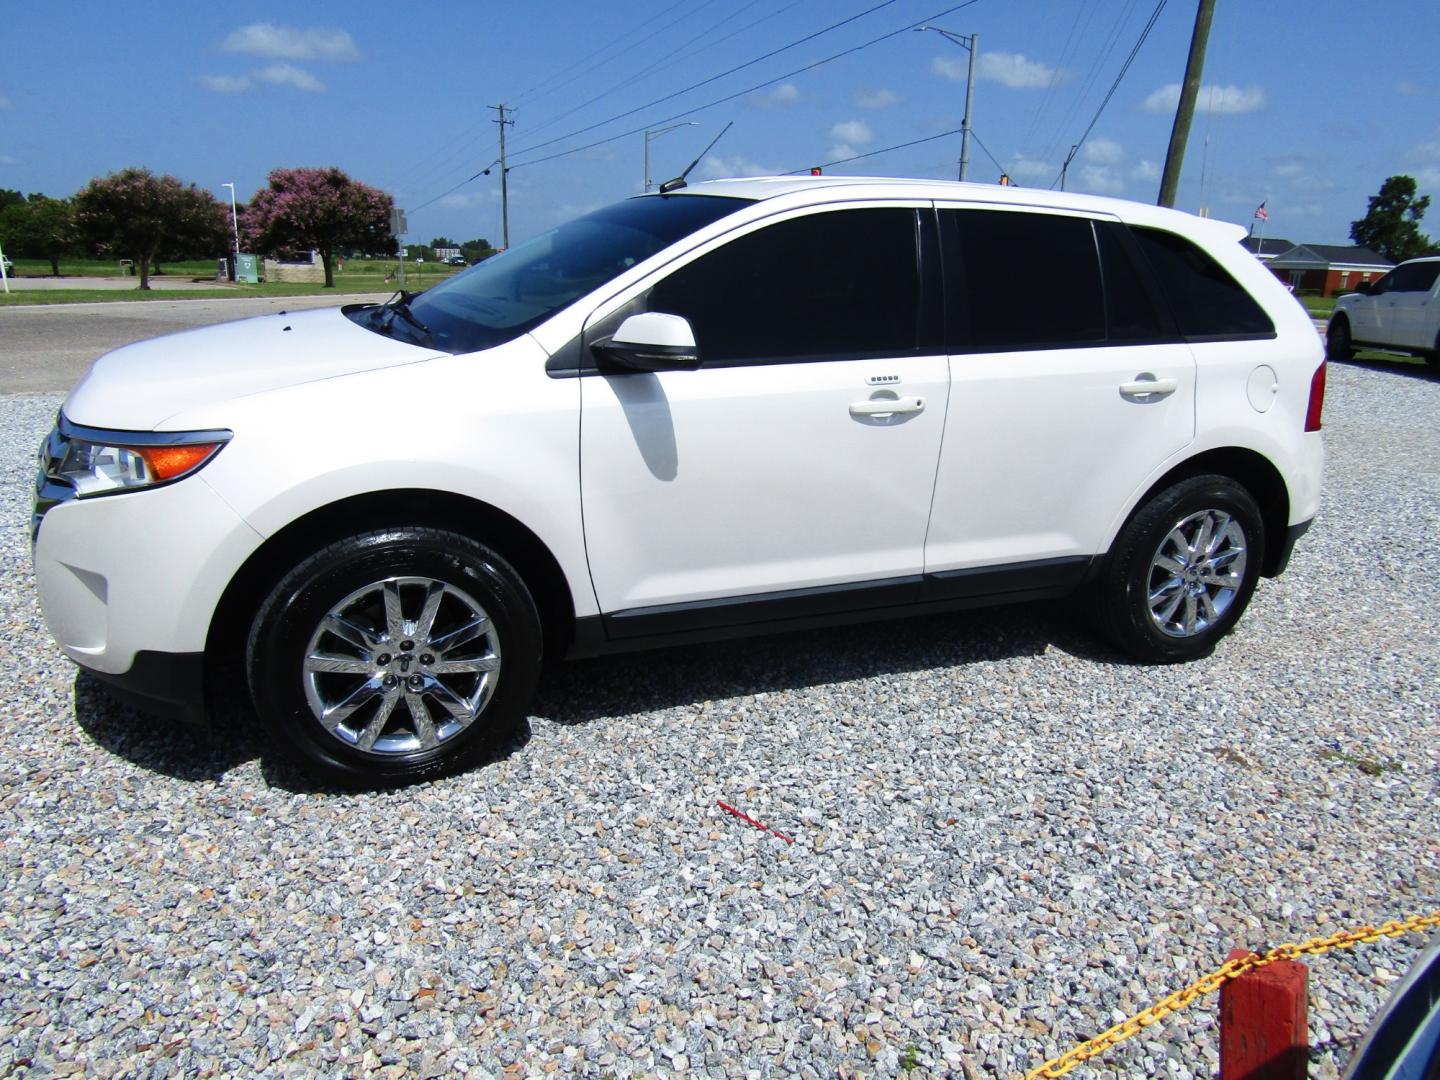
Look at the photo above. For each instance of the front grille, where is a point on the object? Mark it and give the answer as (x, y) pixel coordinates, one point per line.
(50, 487)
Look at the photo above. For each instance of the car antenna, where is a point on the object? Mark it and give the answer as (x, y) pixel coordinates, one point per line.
(679, 181)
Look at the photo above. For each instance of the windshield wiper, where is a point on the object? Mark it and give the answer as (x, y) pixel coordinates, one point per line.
(400, 305)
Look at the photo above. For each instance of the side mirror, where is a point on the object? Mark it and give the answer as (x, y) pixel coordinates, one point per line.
(652, 341)
(1364, 288)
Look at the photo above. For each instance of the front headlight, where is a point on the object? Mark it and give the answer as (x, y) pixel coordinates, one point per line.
(98, 462)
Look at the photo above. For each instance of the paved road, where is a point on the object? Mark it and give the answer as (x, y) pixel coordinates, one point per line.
(50, 346)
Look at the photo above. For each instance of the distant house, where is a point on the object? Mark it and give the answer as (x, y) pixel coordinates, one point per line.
(1265, 248)
(1327, 269)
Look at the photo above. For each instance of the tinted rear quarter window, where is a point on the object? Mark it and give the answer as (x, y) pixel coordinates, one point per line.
(1209, 305)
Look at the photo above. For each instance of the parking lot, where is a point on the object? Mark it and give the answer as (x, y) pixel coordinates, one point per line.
(1005, 838)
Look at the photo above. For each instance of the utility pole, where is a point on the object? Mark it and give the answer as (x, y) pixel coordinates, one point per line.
(504, 178)
(971, 43)
(1185, 111)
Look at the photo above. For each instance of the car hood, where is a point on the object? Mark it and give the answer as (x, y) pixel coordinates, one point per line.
(138, 387)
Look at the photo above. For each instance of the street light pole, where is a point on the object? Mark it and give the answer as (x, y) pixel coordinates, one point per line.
(971, 44)
(655, 133)
(235, 225)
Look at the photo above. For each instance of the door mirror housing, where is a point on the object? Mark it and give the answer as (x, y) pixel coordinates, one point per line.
(651, 341)
(1364, 288)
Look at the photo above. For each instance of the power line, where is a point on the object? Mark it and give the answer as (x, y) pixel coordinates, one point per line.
(462, 146)
(583, 63)
(873, 153)
(987, 152)
(711, 79)
(1125, 67)
(747, 90)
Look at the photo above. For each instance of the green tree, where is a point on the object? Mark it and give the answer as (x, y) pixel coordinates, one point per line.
(10, 197)
(321, 210)
(137, 215)
(39, 228)
(1391, 226)
(476, 250)
(443, 241)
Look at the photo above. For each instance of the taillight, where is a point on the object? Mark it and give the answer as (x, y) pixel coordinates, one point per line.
(1317, 399)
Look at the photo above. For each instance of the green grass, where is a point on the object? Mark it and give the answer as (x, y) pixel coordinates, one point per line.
(1318, 305)
(360, 276)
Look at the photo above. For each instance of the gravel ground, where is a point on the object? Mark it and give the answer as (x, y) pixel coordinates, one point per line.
(1004, 838)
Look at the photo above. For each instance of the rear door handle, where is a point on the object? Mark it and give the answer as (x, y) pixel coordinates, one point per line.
(887, 406)
(1151, 387)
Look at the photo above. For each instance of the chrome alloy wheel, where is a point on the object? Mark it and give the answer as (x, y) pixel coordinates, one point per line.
(401, 665)
(1196, 573)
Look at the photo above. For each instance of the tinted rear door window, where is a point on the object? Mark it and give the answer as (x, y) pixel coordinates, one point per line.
(1023, 281)
(1209, 305)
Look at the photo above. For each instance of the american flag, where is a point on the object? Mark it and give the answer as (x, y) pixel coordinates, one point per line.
(1261, 212)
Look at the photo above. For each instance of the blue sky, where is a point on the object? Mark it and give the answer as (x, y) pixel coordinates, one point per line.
(1307, 106)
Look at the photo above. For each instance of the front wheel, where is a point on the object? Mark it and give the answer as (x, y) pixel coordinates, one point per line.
(394, 656)
(1182, 570)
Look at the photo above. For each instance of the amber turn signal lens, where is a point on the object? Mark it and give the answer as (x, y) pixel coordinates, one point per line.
(168, 462)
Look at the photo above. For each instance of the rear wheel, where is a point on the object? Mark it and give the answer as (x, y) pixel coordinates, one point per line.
(1182, 570)
(395, 656)
(1338, 343)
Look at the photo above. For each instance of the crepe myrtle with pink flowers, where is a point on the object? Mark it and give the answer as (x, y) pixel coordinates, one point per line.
(134, 214)
(320, 210)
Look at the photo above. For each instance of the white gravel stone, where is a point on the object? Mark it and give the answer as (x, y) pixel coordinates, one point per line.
(1005, 837)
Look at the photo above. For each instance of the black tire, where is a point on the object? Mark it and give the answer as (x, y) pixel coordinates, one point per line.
(1338, 343)
(1133, 573)
(480, 652)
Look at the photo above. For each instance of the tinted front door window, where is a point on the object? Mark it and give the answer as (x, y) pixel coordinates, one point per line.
(829, 285)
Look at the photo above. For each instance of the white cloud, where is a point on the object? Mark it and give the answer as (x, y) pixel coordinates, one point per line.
(1426, 155)
(5, 102)
(714, 166)
(1100, 179)
(1023, 168)
(1008, 69)
(290, 75)
(1220, 100)
(1145, 172)
(853, 131)
(1289, 169)
(778, 97)
(879, 98)
(1414, 89)
(1104, 152)
(6, 159)
(226, 84)
(291, 43)
(839, 152)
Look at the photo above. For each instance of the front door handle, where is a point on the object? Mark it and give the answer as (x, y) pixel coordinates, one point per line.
(1151, 387)
(887, 406)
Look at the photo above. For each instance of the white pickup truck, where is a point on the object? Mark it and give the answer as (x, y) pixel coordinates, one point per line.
(1399, 313)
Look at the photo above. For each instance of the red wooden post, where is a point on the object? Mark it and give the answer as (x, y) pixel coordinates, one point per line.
(1264, 1034)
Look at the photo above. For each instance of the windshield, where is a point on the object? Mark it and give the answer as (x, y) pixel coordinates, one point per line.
(510, 293)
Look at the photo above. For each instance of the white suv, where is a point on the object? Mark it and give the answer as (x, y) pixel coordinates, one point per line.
(1399, 313)
(740, 407)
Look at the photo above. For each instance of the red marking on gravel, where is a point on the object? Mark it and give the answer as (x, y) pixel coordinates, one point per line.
(752, 821)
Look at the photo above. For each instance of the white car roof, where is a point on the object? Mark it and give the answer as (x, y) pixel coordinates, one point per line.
(821, 189)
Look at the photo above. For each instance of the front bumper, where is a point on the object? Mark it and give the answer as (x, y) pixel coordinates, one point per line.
(129, 584)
